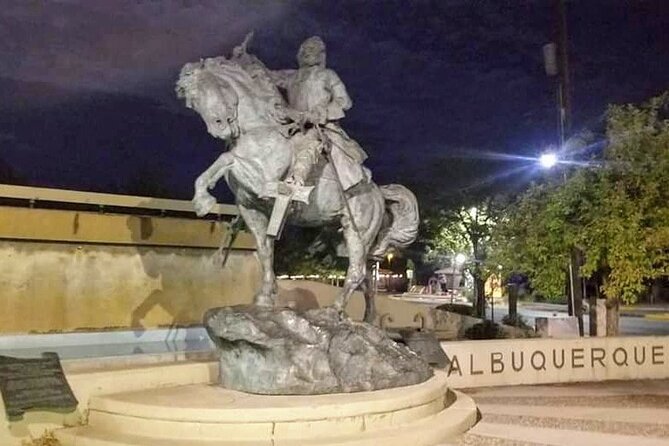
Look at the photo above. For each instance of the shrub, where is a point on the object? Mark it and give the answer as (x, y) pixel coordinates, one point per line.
(465, 310)
(517, 321)
(484, 330)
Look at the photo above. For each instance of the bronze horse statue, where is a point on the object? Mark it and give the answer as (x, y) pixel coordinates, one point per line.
(238, 102)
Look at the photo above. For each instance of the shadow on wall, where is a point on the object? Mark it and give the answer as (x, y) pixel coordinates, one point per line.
(171, 292)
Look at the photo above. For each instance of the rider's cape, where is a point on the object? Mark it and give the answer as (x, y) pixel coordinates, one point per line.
(347, 157)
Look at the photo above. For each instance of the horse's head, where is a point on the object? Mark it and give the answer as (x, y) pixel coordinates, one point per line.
(212, 97)
(228, 98)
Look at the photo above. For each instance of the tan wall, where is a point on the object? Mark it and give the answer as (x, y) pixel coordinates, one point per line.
(540, 361)
(66, 270)
(390, 312)
(63, 287)
(91, 227)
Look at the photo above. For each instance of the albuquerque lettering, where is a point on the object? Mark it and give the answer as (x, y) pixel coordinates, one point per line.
(557, 359)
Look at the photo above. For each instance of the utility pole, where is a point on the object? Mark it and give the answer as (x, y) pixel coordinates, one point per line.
(556, 62)
(575, 285)
(564, 85)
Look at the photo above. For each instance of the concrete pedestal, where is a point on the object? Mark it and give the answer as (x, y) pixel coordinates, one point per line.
(202, 414)
(601, 317)
(557, 327)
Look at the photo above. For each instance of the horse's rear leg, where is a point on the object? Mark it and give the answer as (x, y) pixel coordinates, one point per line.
(370, 306)
(357, 264)
(257, 223)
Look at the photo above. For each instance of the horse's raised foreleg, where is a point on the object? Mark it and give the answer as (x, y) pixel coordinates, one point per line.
(203, 200)
(257, 223)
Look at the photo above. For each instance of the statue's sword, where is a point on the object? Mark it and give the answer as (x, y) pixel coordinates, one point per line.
(233, 229)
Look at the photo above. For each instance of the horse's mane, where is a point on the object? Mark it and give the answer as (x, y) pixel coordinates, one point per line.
(246, 71)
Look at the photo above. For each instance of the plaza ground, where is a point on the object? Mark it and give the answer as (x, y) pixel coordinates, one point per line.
(636, 320)
(607, 413)
(594, 413)
(641, 320)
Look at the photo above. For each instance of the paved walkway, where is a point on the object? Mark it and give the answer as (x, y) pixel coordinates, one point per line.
(614, 413)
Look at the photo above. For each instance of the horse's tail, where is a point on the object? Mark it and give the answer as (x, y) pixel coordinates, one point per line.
(401, 229)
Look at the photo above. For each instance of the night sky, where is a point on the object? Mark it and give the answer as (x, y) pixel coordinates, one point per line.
(443, 90)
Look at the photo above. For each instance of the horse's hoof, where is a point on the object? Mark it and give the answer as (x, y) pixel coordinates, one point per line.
(263, 301)
(203, 204)
(337, 312)
(369, 320)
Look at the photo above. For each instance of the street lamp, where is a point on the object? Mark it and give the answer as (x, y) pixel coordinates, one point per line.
(548, 160)
(458, 260)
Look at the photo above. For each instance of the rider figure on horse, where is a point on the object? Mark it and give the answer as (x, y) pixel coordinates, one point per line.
(318, 99)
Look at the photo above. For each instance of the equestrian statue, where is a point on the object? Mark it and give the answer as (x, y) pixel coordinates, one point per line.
(289, 160)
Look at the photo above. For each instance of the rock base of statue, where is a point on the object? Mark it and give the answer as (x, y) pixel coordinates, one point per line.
(277, 351)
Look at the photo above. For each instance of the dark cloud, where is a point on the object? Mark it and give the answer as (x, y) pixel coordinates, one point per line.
(120, 46)
(430, 80)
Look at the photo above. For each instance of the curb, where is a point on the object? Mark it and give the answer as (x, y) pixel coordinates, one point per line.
(657, 317)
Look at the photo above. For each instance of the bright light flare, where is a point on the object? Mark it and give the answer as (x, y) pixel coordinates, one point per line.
(548, 160)
(460, 259)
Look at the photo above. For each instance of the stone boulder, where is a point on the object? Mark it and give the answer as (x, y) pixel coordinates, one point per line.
(279, 351)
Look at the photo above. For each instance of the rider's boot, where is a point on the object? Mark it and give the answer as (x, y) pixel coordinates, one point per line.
(300, 172)
(305, 158)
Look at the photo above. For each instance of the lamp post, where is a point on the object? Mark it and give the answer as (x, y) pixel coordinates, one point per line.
(476, 235)
(548, 160)
(458, 260)
(410, 273)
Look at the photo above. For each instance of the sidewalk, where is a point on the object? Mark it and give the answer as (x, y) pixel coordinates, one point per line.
(659, 312)
(600, 413)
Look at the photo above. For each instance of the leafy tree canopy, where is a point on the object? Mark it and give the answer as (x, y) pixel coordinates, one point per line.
(615, 210)
(310, 251)
(465, 229)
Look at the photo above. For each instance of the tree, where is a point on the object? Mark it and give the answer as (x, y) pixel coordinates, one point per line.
(616, 213)
(532, 238)
(310, 251)
(467, 230)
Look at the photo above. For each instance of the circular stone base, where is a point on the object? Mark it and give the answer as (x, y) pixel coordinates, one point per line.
(422, 414)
